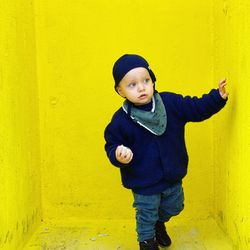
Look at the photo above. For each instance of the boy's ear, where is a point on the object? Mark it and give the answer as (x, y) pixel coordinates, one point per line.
(119, 91)
(153, 85)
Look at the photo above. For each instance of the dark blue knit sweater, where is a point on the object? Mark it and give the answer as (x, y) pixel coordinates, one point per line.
(158, 161)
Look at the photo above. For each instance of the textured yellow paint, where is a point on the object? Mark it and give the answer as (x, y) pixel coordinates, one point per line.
(20, 208)
(77, 45)
(232, 139)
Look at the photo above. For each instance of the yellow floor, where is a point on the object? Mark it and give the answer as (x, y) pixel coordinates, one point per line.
(114, 235)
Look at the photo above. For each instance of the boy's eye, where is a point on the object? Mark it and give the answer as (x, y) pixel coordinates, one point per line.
(146, 80)
(132, 85)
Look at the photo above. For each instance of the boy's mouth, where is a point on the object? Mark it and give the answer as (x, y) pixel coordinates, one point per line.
(142, 96)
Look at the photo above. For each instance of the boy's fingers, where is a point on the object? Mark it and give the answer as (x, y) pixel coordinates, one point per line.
(130, 156)
(122, 151)
(127, 153)
(118, 151)
(124, 154)
(223, 82)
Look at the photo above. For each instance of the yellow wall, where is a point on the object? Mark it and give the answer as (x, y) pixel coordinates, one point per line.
(77, 44)
(20, 207)
(190, 45)
(232, 130)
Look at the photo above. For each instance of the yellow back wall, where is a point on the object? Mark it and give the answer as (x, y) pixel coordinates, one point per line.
(77, 44)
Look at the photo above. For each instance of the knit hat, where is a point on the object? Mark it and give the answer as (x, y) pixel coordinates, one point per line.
(127, 62)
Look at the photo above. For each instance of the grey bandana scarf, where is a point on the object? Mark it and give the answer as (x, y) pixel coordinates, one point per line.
(155, 120)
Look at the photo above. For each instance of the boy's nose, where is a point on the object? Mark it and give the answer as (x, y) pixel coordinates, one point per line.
(141, 87)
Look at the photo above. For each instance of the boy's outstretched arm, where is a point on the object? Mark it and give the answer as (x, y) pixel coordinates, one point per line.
(194, 109)
(222, 84)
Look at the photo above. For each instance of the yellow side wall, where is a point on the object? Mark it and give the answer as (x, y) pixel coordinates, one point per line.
(20, 207)
(77, 44)
(232, 130)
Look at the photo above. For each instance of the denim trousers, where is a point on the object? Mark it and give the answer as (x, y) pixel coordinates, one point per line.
(157, 207)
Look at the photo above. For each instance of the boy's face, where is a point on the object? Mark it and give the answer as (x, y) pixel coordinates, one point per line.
(136, 86)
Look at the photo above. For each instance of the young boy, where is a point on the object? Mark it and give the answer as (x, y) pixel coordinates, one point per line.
(145, 139)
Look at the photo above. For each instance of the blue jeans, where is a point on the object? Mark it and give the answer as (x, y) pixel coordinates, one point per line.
(151, 208)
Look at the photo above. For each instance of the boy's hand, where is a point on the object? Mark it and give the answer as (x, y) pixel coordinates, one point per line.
(222, 89)
(123, 154)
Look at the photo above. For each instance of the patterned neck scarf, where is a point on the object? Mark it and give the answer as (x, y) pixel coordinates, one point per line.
(154, 120)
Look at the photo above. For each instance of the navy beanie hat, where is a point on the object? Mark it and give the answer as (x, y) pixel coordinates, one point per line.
(127, 62)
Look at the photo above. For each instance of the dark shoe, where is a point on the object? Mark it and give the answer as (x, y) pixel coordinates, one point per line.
(161, 234)
(149, 245)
